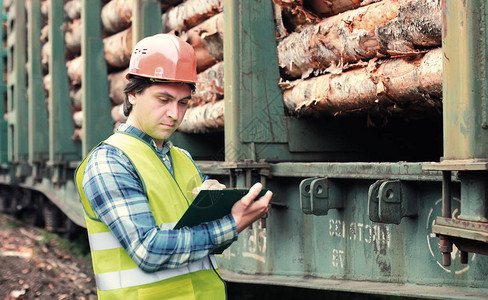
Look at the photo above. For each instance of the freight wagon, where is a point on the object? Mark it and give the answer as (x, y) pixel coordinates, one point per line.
(367, 119)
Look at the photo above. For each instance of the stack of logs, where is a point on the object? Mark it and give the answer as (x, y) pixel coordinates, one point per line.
(335, 56)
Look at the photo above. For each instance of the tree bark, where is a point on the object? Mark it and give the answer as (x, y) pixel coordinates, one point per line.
(171, 2)
(208, 36)
(46, 80)
(413, 83)
(72, 9)
(45, 54)
(327, 8)
(118, 114)
(116, 15)
(78, 119)
(72, 38)
(212, 87)
(117, 84)
(77, 134)
(205, 118)
(44, 12)
(118, 48)
(204, 59)
(290, 16)
(74, 69)
(189, 14)
(295, 14)
(44, 34)
(75, 96)
(390, 27)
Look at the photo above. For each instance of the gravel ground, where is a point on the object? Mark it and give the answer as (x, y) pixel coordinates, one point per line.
(35, 264)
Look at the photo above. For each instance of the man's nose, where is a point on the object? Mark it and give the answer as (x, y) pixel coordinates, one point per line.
(173, 110)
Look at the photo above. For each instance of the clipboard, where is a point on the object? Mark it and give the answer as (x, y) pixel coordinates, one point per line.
(210, 205)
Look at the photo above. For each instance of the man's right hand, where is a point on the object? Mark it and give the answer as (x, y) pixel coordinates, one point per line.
(246, 210)
(209, 184)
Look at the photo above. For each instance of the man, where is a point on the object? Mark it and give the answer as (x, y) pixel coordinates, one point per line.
(136, 185)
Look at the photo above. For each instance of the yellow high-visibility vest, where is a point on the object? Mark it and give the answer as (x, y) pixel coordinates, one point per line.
(117, 275)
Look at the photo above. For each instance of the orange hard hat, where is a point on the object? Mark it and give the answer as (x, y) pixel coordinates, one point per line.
(164, 57)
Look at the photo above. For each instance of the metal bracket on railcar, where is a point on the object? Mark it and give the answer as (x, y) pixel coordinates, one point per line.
(318, 195)
(58, 172)
(469, 230)
(391, 200)
(248, 166)
(38, 171)
(22, 170)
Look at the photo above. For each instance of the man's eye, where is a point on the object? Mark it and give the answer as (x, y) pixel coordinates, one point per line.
(183, 102)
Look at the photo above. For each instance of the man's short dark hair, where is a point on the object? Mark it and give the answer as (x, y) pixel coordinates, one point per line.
(137, 85)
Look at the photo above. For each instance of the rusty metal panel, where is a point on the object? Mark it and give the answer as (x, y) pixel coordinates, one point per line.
(345, 250)
(465, 229)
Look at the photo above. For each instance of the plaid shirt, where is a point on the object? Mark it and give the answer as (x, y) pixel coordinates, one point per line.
(115, 192)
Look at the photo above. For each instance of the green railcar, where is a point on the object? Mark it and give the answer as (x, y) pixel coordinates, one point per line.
(387, 199)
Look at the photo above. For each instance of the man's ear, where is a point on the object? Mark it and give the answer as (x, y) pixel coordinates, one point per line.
(132, 98)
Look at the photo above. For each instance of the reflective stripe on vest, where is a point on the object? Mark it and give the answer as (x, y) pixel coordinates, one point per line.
(107, 240)
(134, 277)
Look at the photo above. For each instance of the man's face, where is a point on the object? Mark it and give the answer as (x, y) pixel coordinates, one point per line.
(159, 110)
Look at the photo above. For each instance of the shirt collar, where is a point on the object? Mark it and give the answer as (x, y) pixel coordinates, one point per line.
(167, 145)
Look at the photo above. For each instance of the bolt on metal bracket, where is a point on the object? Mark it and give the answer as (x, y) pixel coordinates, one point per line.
(391, 200)
(318, 195)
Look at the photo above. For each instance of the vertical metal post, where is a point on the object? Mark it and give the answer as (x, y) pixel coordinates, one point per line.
(465, 110)
(38, 116)
(61, 126)
(17, 94)
(474, 202)
(3, 102)
(465, 98)
(95, 94)
(445, 242)
(146, 19)
(253, 100)
(235, 150)
(446, 194)
(465, 93)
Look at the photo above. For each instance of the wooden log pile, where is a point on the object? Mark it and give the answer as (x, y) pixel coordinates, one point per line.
(72, 29)
(201, 24)
(118, 48)
(207, 39)
(211, 87)
(117, 83)
(392, 84)
(116, 16)
(390, 27)
(335, 57)
(189, 14)
(204, 118)
(345, 56)
(116, 27)
(381, 57)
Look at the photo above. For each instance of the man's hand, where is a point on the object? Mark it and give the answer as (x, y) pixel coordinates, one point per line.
(246, 210)
(209, 184)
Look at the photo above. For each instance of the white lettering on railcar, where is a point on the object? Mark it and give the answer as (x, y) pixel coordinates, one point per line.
(255, 242)
(377, 234)
(337, 258)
